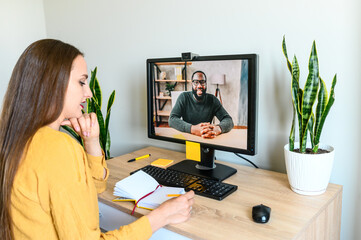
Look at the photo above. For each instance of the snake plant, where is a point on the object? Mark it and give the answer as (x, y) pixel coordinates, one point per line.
(94, 105)
(309, 121)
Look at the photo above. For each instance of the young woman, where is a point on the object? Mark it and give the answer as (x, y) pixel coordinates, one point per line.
(49, 184)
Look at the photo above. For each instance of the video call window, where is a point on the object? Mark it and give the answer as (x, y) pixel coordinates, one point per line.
(193, 92)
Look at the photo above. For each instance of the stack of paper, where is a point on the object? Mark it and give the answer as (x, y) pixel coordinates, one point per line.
(140, 184)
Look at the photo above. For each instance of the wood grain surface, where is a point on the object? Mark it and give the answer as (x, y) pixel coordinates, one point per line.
(293, 216)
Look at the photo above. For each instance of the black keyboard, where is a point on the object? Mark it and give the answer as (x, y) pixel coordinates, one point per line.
(201, 186)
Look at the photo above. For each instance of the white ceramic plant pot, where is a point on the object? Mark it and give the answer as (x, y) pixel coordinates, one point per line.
(309, 174)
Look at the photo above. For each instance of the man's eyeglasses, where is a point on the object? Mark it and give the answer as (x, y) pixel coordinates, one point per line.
(201, 82)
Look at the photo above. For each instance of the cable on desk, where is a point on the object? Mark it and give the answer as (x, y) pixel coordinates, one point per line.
(238, 155)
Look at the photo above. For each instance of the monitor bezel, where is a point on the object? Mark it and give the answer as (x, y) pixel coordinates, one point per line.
(252, 101)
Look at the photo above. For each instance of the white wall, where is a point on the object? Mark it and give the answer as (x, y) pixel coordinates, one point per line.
(118, 36)
(21, 22)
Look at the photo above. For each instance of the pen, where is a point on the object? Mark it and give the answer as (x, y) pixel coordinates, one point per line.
(138, 158)
(173, 195)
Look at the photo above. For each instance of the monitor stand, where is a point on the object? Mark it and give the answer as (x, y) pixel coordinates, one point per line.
(206, 167)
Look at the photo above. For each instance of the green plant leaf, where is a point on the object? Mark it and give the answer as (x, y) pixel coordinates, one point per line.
(300, 96)
(92, 80)
(97, 92)
(102, 136)
(321, 103)
(111, 101)
(284, 50)
(310, 129)
(294, 70)
(291, 139)
(107, 146)
(329, 104)
(297, 93)
(295, 83)
(295, 100)
(109, 106)
(107, 118)
(89, 106)
(309, 95)
(95, 87)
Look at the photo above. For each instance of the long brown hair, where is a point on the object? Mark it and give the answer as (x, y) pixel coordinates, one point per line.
(34, 98)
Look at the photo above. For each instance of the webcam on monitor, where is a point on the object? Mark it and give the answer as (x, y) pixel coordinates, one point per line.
(188, 56)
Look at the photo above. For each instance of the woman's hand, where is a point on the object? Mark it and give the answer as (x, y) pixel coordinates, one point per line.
(173, 211)
(87, 127)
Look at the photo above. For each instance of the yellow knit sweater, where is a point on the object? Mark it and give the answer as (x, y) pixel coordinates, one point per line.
(54, 194)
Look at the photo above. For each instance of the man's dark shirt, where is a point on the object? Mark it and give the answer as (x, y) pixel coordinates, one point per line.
(193, 112)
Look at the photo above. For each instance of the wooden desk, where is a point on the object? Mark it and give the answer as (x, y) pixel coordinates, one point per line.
(293, 216)
(236, 138)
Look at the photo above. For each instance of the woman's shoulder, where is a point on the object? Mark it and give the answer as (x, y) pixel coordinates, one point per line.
(51, 138)
(51, 147)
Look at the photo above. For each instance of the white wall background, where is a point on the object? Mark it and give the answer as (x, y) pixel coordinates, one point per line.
(118, 36)
(21, 22)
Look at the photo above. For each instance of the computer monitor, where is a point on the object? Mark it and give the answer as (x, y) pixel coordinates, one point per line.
(194, 98)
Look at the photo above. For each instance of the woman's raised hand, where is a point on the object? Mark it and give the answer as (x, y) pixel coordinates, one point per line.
(87, 127)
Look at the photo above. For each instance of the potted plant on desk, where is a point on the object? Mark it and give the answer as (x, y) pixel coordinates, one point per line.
(309, 164)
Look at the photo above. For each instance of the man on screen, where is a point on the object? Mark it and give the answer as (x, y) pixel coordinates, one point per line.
(194, 111)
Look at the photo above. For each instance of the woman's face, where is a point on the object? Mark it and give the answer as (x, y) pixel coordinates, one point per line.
(78, 89)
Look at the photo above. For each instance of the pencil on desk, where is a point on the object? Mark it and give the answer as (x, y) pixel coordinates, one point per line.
(138, 158)
(173, 195)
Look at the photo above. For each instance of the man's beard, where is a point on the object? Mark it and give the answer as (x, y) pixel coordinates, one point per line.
(201, 97)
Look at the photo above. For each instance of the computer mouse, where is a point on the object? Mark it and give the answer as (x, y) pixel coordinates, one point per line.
(261, 213)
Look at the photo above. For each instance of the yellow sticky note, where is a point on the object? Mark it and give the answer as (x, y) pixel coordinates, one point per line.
(193, 151)
(161, 162)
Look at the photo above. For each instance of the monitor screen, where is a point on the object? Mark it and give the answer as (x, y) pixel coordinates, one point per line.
(211, 100)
